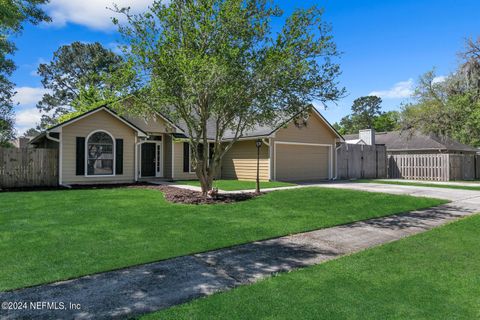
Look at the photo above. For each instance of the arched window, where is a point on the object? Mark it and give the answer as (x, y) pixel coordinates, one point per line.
(100, 154)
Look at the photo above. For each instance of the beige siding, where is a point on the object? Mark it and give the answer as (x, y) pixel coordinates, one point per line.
(301, 162)
(315, 132)
(82, 128)
(178, 173)
(240, 162)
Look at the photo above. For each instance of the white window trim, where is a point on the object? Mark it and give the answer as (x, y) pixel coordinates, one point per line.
(330, 152)
(114, 156)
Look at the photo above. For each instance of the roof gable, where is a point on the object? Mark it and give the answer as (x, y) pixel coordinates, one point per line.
(57, 127)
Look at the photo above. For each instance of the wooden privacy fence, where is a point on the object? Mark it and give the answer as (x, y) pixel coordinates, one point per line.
(361, 161)
(27, 167)
(438, 167)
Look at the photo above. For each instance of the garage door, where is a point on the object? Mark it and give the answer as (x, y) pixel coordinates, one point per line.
(301, 162)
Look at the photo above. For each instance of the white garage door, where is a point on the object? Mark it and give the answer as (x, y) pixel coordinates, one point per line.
(301, 162)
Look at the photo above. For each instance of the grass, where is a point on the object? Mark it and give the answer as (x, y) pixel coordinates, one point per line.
(433, 275)
(55, 235)
(231, 185)
(421, 184)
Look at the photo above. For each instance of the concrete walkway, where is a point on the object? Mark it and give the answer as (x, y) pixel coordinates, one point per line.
(446, 183)
(150, 287)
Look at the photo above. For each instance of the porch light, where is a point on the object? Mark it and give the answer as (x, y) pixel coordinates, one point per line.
(258, 143)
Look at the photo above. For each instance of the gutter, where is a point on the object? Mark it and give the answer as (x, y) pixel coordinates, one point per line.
(51, 138)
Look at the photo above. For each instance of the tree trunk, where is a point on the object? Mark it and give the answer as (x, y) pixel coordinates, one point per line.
(207, 171)
(206, 182)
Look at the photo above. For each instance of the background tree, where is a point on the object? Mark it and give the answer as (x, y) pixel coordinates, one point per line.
(450, 107)
(32, 132)
(219, 62)
(78, 79)
(365, 110)
(13, 13)
(366, 113)
(387, 121)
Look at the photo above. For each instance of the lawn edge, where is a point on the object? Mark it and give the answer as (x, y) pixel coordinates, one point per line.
(234, 245)
(296, 269)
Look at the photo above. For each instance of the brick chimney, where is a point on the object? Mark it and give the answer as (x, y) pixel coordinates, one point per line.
(368, 136)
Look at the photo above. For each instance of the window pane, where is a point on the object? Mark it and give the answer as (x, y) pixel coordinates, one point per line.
(100, 154)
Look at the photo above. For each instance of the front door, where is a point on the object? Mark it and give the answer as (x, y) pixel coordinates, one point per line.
(148, 159)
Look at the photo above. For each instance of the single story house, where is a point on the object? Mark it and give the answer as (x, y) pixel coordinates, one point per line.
(410, 142)
(101, 146)
(414, 155)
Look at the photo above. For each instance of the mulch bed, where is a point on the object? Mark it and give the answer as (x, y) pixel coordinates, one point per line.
(178, 195)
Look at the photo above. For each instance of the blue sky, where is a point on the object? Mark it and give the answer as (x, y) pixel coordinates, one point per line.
(386, 45)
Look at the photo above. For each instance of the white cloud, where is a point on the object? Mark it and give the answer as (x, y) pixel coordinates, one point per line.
(439, 79)
(402, 89)
(91, 13)
(26, 114)
(26, 119)
(27, 96)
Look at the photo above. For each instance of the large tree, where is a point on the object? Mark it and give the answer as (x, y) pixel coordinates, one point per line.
(219, 62)
(445, 109)
(450, 107)
(367, 114)
(77, 79)
(13, 14)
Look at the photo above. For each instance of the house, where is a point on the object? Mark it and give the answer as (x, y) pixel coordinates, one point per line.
(411, 142)
(414, 155)
(21, 142)
(101, 146)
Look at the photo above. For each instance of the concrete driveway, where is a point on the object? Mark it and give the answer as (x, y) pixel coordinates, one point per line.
(133, 291)
(431, 192)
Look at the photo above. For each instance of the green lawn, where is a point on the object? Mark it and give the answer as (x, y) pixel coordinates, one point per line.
(231, 185)
(53, 235)
(434, 275)
(421, 184)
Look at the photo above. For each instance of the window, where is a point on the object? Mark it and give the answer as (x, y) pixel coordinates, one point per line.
(100, 154)
(200, 152)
